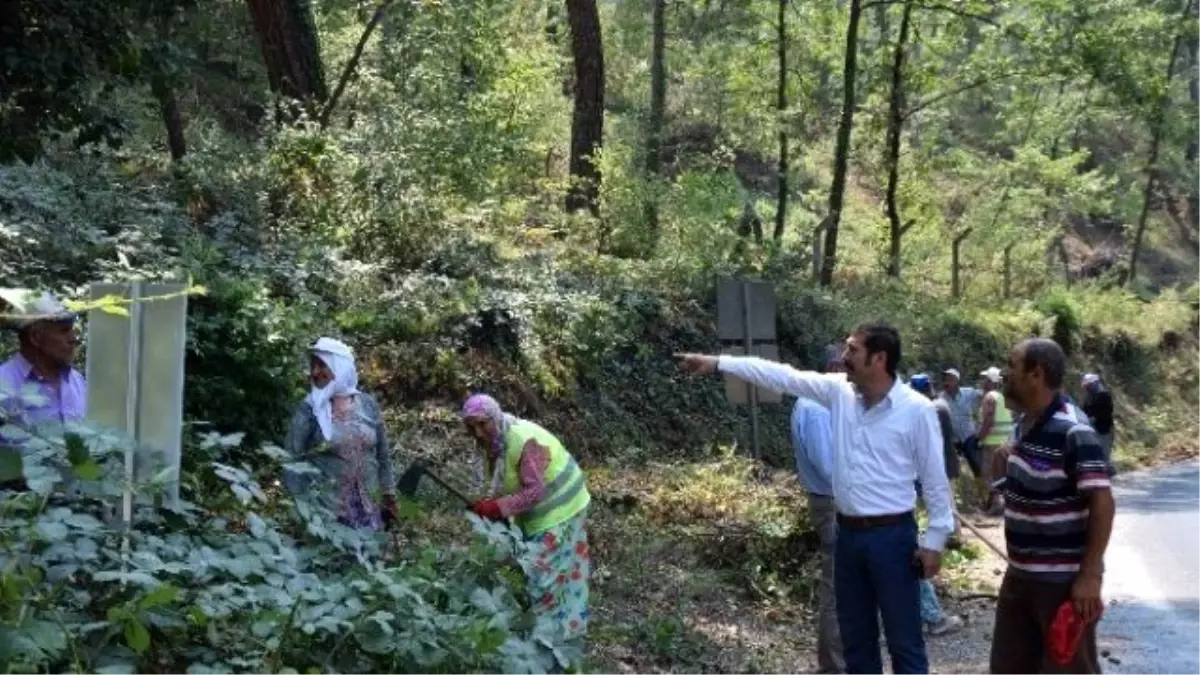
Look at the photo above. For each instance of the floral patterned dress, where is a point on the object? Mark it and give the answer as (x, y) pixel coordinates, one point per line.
(355, 461)
(559, 585)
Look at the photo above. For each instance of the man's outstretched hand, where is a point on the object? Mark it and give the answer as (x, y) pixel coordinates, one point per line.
(698, 364)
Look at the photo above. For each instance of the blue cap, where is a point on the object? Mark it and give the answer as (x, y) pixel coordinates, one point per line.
(920, 382)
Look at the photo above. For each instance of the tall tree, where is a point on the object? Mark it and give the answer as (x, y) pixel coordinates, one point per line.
(895, 127)
(287, 35)
(658, 102)
(587, 119)
(1158, 117)
(837, 191)
(781, 110)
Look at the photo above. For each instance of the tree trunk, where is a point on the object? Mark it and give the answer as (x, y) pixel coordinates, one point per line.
(654, 128)
(352, 64)
(287, 35)
(837, 191)
(1193, 149)
(1007, 291)
(1194, 95)
(1156, 133)
(587, 119)
(894, 130)
(168, 105)
(781, 113)
(955, 249)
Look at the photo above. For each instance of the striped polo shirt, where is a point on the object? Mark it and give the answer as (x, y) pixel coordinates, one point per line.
(1050, 472)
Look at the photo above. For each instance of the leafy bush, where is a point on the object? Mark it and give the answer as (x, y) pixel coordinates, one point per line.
(1066, 319)
(259, 586)
(244, 359)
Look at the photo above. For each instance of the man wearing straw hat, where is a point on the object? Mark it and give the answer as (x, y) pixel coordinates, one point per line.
(38, 385)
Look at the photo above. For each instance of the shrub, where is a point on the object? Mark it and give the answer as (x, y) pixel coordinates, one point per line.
(247, 584)
(1066, 319)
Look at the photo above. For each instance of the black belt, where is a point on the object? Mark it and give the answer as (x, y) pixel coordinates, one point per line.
(867, 522)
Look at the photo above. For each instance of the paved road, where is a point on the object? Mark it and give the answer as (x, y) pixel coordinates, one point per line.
(1152, 623)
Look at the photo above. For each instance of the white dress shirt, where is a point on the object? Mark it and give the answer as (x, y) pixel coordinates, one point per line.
(879, 453)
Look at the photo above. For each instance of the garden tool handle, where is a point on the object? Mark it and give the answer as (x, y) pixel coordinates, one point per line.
(449, 489)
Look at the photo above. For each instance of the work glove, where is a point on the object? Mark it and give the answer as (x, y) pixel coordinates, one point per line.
(390, 512)
(487, 508)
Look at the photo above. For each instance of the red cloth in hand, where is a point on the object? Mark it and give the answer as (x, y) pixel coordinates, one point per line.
(1066, 630)
(487, 508)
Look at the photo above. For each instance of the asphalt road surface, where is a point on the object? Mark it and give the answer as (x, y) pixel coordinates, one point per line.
(1152, 622)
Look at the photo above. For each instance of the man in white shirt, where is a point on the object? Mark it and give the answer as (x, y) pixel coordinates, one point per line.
(886, 437)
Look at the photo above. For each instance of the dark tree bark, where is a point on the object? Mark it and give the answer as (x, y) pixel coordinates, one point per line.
(1193, 149)
(895, 128)
(587, 119)
(168, 105)
(352, 64)
(287, 36)
(654, 126)
(955, 256)
(1157, 121)
(781, 109)
(837, 191)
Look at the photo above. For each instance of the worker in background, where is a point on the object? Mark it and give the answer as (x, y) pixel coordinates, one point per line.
(1098, 406)
(812, 441)
(936, 621)
(995, 429)
(39, 386)
(963, 402)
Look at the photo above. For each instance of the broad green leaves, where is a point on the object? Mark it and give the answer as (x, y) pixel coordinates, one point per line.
(213, 591)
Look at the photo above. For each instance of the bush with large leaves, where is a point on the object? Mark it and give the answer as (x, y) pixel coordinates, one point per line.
(256, 584)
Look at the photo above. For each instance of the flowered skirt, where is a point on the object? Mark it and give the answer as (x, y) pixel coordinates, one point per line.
(559, 583)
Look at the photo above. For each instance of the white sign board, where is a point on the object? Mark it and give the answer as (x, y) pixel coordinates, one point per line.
(135, 371)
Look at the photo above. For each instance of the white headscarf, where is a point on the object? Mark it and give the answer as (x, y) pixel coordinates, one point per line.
(340, 359)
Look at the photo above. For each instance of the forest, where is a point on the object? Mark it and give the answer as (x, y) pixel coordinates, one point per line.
(537, 199)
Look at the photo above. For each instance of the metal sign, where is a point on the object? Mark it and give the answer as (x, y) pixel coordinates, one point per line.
(135, 372)
(746, 324)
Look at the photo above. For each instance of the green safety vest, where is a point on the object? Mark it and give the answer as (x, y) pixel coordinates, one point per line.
(1002, 426)
(566, 494)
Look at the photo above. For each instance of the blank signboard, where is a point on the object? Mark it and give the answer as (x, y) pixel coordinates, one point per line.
(145, 350)
(731, 304)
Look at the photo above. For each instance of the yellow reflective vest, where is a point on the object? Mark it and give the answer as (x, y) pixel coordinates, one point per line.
(566, 493)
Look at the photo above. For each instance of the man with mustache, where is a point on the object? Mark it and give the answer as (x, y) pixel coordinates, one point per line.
(1058, 517)
(886, 438)
(38, 385)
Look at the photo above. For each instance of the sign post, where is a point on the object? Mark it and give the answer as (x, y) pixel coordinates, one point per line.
(135, 373)
(746, 326)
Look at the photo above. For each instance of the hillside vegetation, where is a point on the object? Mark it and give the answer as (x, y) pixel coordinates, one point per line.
(538, 199)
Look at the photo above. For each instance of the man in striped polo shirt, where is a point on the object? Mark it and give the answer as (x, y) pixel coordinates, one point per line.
(1057, 521)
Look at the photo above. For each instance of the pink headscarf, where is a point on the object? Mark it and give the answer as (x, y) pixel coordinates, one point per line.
(484, 407)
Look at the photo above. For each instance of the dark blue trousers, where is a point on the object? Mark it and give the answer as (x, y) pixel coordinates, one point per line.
(873, 577)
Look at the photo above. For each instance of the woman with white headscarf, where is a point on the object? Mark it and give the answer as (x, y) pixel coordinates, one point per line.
(340, 430)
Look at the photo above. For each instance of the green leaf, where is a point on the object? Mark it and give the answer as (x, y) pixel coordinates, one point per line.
(11, 466)
(47, 636)
(52, 529)
(162, 595)
(88, 470)
(77, 451)
(136, 636)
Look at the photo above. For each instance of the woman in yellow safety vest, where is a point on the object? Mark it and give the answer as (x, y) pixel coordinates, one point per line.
(543, 490)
